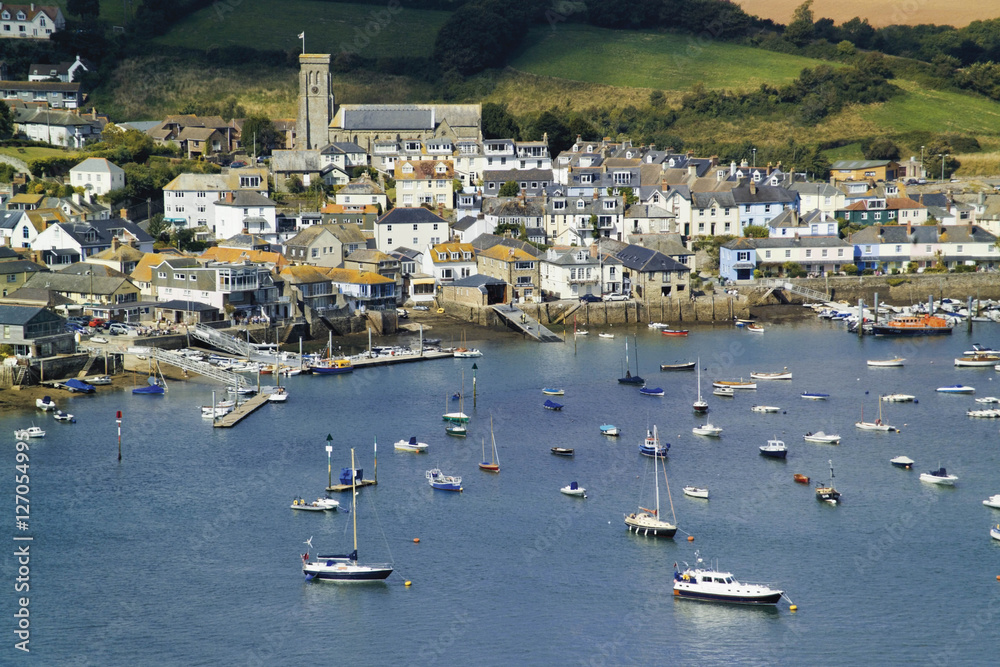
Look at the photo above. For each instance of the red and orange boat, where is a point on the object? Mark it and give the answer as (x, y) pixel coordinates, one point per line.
(801, 479)
(923, 325)
(674, 332)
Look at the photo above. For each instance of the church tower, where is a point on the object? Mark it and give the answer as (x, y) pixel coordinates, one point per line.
(315, 102)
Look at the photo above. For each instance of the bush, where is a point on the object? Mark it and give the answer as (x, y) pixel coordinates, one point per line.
(849, 269)
(896, 282)
(868, 272)
(965, 268)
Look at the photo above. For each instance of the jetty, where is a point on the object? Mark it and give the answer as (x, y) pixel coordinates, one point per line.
(242, 410)
(400, 359)
(520, 321)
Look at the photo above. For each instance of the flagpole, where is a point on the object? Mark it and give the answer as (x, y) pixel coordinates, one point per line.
(302, 36)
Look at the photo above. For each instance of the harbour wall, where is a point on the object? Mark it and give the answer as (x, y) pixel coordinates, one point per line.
(900, 290)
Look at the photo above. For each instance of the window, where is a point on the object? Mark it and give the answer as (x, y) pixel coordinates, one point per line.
(809, 252)
(868, 250)
(927, 248)
(823, 252)
(743, 256)
(788, 253)
(161, 274)
(767, 254)
(958, 249)
(25, 231)
(192, 277)
(180, 276)
(840, 252)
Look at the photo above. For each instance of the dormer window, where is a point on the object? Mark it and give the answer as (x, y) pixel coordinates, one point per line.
(441, 256)
(610, 204)
(580, 204)
(466, 256)
(558, 205)
(407, 168)
(586, 178)
(21, 16)
(454, 256)
(5, 15)
(441, 169)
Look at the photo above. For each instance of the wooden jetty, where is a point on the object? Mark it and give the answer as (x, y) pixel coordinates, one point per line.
(242, 410)
(357, 484)
(400, 359)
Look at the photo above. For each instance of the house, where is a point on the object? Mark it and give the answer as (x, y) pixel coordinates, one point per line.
(476, 290)
(9, 221)
(530, 182)
(569, 273)
(64, 72)
(375, 261)
(412, 227)
(307, 166)
(818, 196)
(884, 210)
(713, 214)
(447, 262)
(201, 142)
(473, 158)
(324, 245)
(649, 219)
(417, 287)
(513, 213)
(245, 211)
(311, 290)
(275, 261)
(671, 245)
(99, 290)
(515, 266)
(364, 290)
(758, 203)
(571, 220)
(76, 207)
(213, 135)
(364, 124)
(30, 21)
(142, 274)
(33, 331)
(429, 182)
(649, 275)
(344, 155)
(64, 243)
(120, 257)
(52, 126)
(900, 247)
(41, 95)
(24, 202)
(188, 199)
(362, 217)
(864, 170)
(360, 193)
(819, 255)
(15, 270)
(98, 175)
(240, 290)
(789, 223)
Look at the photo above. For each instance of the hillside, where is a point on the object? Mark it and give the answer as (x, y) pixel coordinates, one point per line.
(880, 12)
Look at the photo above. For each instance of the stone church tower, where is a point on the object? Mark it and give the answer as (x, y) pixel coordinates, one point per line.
(315, 102)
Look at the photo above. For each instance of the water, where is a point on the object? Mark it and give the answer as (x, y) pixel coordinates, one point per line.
(187, 550)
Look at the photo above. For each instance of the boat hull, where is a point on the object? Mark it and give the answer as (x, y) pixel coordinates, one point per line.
(635, 379)
(774, 453)
(885, 330)
(562, 451)
(348, 574)
(677, 367)
(704, 596)
(647, 526)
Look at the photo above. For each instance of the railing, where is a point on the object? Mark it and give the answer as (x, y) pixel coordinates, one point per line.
(220, 340)
(776, 283)
(200, 367)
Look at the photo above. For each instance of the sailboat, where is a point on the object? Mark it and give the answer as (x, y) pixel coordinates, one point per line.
(494, 465)
(457, 418)
(629, 378)
(878, 424)
(700, 405)
(343, 568)
(647, 521)
(828, 493)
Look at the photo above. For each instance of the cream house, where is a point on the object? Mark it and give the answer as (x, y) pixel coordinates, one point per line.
(428, 182)
(30, 21)
(97, 175)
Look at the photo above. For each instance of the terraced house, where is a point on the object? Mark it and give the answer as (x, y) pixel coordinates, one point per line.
(519, 268)
(889, 247)
(421, 182)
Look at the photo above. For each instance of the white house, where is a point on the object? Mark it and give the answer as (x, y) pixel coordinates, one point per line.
(98, 175)
(410, 227)
(187, 200)
(244, 212)
(64, 72)
(64, 243)
(450, 261)
(30, 21)
(52, 126)
(569, 273)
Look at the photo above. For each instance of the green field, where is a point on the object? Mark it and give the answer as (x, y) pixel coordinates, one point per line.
(935, 111)
(34, 152)
(112, 11)
(646, 60)
(370, 31)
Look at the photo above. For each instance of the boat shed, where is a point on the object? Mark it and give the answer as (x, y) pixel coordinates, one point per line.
(475, 290)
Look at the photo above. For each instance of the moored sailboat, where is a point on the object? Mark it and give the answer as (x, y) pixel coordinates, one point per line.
(700, 405)
(647, 521)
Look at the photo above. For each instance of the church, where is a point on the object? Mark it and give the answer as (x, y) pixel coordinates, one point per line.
(322, 122)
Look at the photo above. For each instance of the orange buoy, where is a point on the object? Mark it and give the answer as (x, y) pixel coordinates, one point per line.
(690, 538)
(998, 577)
(416, 540)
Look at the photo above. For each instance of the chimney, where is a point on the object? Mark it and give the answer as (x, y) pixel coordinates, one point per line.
(714, 160)
(732, 168)
(123, 214)
(115, 243)
(909, 228)
(76, 198)
(753, 187)
(692, 170)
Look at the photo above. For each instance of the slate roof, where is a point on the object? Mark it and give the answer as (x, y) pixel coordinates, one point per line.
(246, 198)
(93, 164)
(705, 199)
(478, 280)
(897, 234)
(409, 216)
(642, 259)
(802, 241)
(486, 241)
(21, 315)
(78, 231)
(181, 304)
(502, 176)
(20, 266)
(10, 219)
(80, 284)
(858, 164)
(394, 117)
(761, 194)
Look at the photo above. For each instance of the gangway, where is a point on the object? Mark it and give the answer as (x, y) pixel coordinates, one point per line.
(520, 321)
(200, 367)
(776, 284)
(221, 341)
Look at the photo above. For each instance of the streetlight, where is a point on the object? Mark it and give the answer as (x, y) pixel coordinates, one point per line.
(943, 158)
(754, 151)
(329, 469)
(923, 172)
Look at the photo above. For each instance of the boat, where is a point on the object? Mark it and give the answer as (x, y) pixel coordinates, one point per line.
(462, 353)
(700, 405)
(877, 425)
(725, 392)
(687, 366)
(735, 384)
(814, 396)
(696, 492)
(774, 449)
(605, 335)
(79, 386)
(442, 482)
(574, 489)
(611, 430)
(822, 438)
(658, 325)
(245, 390)
(902, 462)
(782, 375)
(456, 429)
(327, 503)
(410, 445)
(344, 568)
(581, 332)
(45, 403)
(939, 476)
(957, 389)
(993, 501)
(765, 408)
(800, 478)
(651, 445)
(977, 361)
(898, 398)
(707, 430)
(984, 414)
(552, 405)
(647, 521)
(887, 363)
(981, 349)
(651, 391)
(30, 432)
(456, 417)
(913, 325)
(278, 395)
(64, 417)
(988, 399)
(98, 380)
(152, 387)
(218, 411)
(716, 586)
(995, 532)
(331, 367)
(674, 332)
(562, 451)
(827, 493)
(494, 464)
(755, 328)
(742, 322)
(306, 506)
(629, 378)
(553, 392)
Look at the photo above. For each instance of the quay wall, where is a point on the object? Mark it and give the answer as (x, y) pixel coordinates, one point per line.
(902, 289)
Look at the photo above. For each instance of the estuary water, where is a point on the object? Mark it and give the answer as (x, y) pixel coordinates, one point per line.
(186, 551)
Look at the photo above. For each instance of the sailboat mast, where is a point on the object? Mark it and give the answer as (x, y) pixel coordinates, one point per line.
(376, 460)
(493, 439)
(699, 378)
(636, 341)
(656, 473)
(354, 500)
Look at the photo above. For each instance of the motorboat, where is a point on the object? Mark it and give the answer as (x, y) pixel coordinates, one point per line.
(209, 412)
(658, 325)
(725, 392)
(605, 335)
(651, 391)
(765, 408)
(610, 430)
(278, 395)
(800, 478)
(741, 322)
(993, 501)
(939, 476)
(442, 482)
(64, 417)
(696, 492)
(30, 432)
(562, 451)
(887, 363)
(898, 398)
(782, 375)
(549, 391)
(774, 449)
(995, 532)
(813, 396)
(988, 399)
(332, 367)
(977, 361)
(456, 429)
(980, 349)
(735, 384)
(674, 332)
(687, 366)
(822, 438)
(755, 328)
(98, 380)
(957, 389)
(410, 445)
(152, 388)
(45, 403)
(716, 586)
(984, 414)
(462, 353)
(574, 489)
(707, 430)
(651, 445)
(828, 494)
(327, 503)
(902, 462)
(913, 325)
(245, 390)
(581, 332)
(306, 506)
(78, 386)
(552, 405)
(98, 339)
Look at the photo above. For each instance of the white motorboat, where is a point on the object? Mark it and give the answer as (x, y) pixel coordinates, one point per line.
(887, 363)
(610, 429)
(814, 396)
(658, 325)
(765, 408)
(993, 501)
(783, 375)
(984, 414)
(581, 332)
(707, 430)
(327, 503)
(957, 389)
(715, 586)
(411, 445)
(988, 399)
(822, 438)
(463, 353)
(898, 398)
(209, 412)
(725, 392)
(939, 476)
(902, 462)
(774, 449)
(735, 384)
(45, 403)
(696, 492)
(977, 361)
(304, 506)
(98, 380)
(278, 395)
(30, 432)
(995, 532)
(606, 335)
(574, 489)
(64, 417)
(980, 349)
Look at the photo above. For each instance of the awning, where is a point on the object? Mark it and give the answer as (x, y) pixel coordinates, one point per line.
(744, 265)
(422, 280)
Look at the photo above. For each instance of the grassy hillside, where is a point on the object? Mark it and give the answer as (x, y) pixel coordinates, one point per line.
(330, 27)
(647, 60)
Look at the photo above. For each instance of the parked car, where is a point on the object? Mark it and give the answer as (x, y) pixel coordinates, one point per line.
(616, 296)
(590, 298)
(97, 322)
(421, 308)
(118, 328)
(237, 164)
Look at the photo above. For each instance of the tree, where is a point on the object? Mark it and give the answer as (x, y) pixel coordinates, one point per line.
(594, 229)
(756, 231)
(157, 226)
(510, 189)
(551, 123)
(84, 8)
(800, 29)
(657, 99)
(258, 135)
(294, 184)
(880, 148)
(499, 123)
(6, 122)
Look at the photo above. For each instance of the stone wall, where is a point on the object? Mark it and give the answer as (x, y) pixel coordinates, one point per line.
(905, 289)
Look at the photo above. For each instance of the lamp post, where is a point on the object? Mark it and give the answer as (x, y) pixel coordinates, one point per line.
(329, 468)
(942, 165)
(923, 171)
(754, 151)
